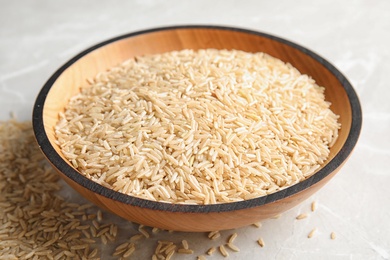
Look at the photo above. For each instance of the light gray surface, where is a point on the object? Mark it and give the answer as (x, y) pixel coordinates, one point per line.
(36, 37)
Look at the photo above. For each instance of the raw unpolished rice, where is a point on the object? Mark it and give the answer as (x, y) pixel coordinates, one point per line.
(213, 235)
(233, 247)
(313, 206)
(211, 250)
(312, 233)
(257, 224)
(260, 241)
(185, 251)
(166, 250)
(198, 127)
(35, 221)
(301, 216)
(185, 244)
(223, 251)
(232, 238)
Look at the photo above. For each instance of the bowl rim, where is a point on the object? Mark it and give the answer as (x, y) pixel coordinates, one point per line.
(56, 160)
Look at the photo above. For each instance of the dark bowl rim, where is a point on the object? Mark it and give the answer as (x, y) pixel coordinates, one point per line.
(56, 160)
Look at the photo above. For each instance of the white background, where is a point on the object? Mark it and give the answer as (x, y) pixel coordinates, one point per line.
(36, 37)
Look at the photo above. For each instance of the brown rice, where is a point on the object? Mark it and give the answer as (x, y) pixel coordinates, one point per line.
(201, 127)
(301, 216)
(260, 241)
(223, 251)
(312, 233)
(211, 250)
(313, 206)
(36, 222)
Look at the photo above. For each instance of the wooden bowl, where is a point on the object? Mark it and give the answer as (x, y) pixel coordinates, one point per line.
(66, 82)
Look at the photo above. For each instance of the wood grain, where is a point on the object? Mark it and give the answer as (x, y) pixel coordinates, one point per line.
(100, 59)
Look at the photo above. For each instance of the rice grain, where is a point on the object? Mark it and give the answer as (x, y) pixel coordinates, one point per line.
(185, 251)
(211, 250)
(185, 244)
(312, 233)
(301, 216)
(36, 222)
(260, 241)
(232, 238)
(223, 251)
(313, 206)
(257, 224)
(221, 113)
(233, 247)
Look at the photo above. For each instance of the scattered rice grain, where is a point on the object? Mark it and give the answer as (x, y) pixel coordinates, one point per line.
(232, 238)
(99, 215)
(211, 250)
(214, 235)
(257, 224)
(260, 241)
(223, 251)
(143, 232)
(302, 216)
(136, 237)
(313, 206)
(185, 251)
(185, 244)
(129, 251)
(43, 222)
(312, 233)
(170, 255)
(233, 247)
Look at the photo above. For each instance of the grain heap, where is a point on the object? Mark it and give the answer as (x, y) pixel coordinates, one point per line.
(35, 221)
(198, 127)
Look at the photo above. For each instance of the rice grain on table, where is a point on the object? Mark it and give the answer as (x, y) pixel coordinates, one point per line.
(257, 224)
(142, 230)
(313, 206)
(136, 237)
(35, 221)
(260, 241)
(223, 251)
(232, 238)
(213, 235)
(170, 248)
(170, 255)
(129, 251)
(185, 244)
(185, 251)
(211, 250)
(301, 216)
(233, 247)
(198, 127)
(312, 233)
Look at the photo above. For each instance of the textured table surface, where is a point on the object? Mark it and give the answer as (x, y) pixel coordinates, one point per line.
(36, 37)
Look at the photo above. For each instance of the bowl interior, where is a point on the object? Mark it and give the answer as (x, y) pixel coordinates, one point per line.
(111, 53)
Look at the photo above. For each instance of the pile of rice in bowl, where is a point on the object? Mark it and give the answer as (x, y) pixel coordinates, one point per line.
(198, 127)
